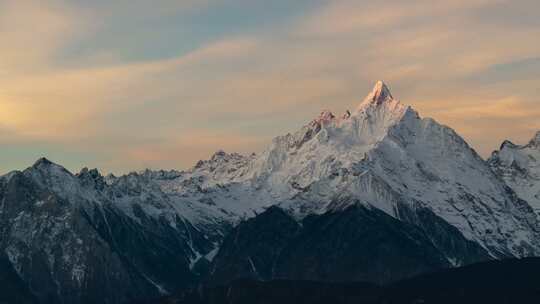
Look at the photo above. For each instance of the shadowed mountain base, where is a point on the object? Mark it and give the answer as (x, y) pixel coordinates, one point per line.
(507, 281)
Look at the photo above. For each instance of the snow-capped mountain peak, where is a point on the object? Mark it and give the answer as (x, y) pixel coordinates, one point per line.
(383, 155)
(380, 110)
(379, 95)
(327, 143)
(43, 164)
(379, 107)
(45, 170)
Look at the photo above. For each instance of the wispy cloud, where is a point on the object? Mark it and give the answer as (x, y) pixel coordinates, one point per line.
(186, 149)
(33, 32)
(350, 17)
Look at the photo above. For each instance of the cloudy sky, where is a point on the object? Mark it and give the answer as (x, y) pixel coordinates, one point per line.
(127, 84)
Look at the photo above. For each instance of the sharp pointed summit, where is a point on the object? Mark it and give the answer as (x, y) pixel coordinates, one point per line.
(381, 90)
(42, 162)
(380, 95)
(45, 164)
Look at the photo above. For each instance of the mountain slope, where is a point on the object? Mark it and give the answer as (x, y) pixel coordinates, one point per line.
(519, 166)
(382, 154)
(386, 156)
(356, 244)
(70, 242)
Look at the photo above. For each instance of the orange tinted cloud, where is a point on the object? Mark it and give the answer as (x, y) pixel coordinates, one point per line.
(186, 149)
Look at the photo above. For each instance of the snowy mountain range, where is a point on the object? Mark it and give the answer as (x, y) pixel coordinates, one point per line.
(519, 166)
(342, 198)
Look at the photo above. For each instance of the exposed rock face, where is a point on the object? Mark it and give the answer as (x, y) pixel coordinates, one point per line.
(519, 166)
(69, 243)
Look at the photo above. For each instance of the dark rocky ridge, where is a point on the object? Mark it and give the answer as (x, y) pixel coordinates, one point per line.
(355, 244)
(66, 246)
